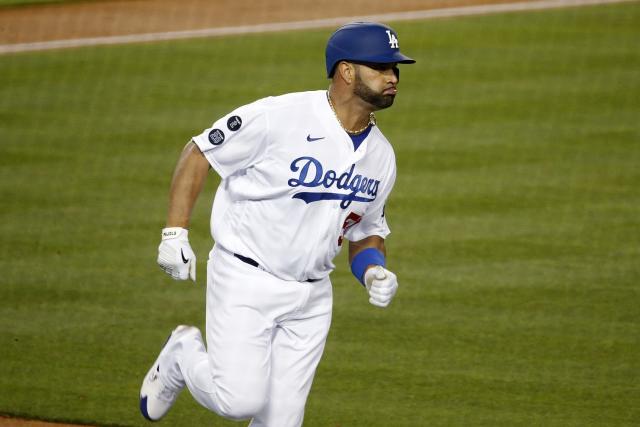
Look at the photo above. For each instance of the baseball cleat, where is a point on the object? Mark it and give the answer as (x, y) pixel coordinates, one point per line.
(156, 398)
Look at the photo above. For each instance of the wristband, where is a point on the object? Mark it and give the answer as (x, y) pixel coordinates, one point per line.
(365, 258)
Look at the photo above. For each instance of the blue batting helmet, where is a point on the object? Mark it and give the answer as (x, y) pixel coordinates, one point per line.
(364, 42)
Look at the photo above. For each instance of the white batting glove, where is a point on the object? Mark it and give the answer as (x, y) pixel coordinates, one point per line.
(175, 255)
(381, 284)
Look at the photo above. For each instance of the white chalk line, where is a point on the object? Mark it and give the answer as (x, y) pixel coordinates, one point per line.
(301, 25)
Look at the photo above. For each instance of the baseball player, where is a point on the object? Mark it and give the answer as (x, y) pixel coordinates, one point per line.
(302, 175)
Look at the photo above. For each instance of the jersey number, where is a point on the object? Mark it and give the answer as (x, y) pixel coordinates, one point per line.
(352, 219)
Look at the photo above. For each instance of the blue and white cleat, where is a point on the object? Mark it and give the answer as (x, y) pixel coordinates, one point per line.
(156, 398)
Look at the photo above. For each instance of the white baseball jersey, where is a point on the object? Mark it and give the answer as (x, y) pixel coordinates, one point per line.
(293, 186)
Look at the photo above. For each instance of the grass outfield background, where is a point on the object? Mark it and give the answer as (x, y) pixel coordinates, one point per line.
(515, 219)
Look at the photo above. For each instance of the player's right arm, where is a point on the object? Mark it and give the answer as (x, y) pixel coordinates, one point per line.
(188, 179)
(234, 142)
(175, 255)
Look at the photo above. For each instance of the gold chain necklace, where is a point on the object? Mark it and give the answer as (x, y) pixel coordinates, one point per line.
(372, 120)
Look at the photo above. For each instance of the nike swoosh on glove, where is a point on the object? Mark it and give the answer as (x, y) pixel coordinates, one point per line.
(381, 284)
(175, 255)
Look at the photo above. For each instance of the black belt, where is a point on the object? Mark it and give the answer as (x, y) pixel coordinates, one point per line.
(254, 263)
(247, 260)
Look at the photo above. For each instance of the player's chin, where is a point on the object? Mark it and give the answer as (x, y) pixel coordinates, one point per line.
(385, 101)
(378, 101)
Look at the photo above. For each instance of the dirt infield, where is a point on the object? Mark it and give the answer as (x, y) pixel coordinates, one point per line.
(29, 24)
(16, 422)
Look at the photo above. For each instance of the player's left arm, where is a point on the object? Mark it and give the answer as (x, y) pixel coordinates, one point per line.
(367, 259)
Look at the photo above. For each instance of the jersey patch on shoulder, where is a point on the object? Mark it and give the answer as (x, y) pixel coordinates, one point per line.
(234, 123)
(216, 137)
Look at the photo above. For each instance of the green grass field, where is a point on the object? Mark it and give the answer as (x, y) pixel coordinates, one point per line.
(515, 219)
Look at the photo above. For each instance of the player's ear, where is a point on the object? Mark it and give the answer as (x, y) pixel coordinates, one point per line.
(346, 71)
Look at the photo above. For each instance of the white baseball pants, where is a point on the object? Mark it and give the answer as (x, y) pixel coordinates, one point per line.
(265, 338)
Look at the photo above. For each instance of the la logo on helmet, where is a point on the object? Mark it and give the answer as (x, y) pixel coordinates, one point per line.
(393, 41)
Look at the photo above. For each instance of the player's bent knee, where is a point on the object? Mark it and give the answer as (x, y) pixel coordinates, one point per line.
(240, 399)
(241, 407)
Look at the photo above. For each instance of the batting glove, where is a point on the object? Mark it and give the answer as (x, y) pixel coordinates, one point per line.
(381, 284)
(175, 255)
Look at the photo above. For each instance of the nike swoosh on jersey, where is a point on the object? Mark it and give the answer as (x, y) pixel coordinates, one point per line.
(183, 258)
(311, 139)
